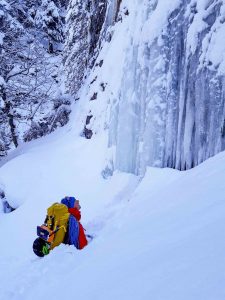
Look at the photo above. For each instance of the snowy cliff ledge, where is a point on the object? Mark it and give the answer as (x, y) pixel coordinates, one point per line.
(158, 85)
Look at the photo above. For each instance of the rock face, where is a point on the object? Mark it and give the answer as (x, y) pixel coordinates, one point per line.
(169, 108)
(177, 112)
(195, 103)
(86, 24)
(85, 20)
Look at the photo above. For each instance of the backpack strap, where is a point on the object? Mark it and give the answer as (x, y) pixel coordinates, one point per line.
(50, 222)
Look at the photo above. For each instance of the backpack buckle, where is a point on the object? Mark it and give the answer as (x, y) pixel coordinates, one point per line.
(45, 233)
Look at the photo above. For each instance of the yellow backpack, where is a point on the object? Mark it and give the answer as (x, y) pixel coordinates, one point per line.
(54, 228)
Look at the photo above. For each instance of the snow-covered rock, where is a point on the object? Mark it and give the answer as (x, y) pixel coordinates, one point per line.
(160, 86)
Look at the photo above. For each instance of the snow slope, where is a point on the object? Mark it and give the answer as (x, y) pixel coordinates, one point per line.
(157, 237)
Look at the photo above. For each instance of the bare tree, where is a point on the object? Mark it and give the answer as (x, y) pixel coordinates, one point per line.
(28, 77)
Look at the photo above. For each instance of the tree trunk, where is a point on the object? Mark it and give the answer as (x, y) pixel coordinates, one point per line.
(10, 117)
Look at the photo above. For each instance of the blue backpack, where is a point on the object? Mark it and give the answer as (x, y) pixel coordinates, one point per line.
(73, 224)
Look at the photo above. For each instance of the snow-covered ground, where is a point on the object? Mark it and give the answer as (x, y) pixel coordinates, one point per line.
(157, 237)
